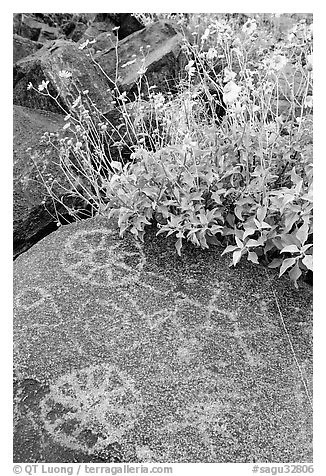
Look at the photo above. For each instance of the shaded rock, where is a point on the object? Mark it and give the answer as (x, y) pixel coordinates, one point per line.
(126, 352)
(33, 211)
(23, 47)
(27, 26)
(16, 23)
(106, 22)
(48, 33)
(103, 41)
(46, 64)
(155, 49)
(96, 28)
(126, 22)
(74, 30)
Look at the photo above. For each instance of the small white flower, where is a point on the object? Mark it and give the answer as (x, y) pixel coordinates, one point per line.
(278, 62)
(228, 75)
(310, 62)
(29, 86)
(211, 54)
(76, 102)
(83, 45)
(122, 96)
(237, 108)
(308, 101)
(250, 26)
(205, 35)
(43, 85)
(78, 145)
(65, 74)
(230, 92)
(190, 68)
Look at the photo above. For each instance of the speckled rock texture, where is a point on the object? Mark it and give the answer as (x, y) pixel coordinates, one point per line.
(46, 64)
(125, 352)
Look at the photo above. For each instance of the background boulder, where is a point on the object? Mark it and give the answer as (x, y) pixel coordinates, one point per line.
(47, 64)
(125, 352)
(156, 49)
(33, 210)
(23, 47)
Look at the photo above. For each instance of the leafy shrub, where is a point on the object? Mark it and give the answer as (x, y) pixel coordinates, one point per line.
(241, 178)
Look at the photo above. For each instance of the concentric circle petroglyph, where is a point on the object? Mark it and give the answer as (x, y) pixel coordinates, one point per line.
(92, 408)
(97, 258)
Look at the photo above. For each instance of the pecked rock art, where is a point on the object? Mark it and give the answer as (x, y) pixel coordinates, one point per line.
(147, 357)
(92, 408)
(95, 258)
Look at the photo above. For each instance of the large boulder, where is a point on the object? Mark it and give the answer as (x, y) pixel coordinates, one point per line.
(96, 28)
(106, 22)
(28, 26)
(126, 22)
(156, 49)
(125, 352)
(48, 64)
(33, 210)
(23, 47)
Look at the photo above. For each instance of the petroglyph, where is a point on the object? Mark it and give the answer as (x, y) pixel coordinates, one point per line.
(91, 408)
(37, 297)
(88, 410)
(93, 257)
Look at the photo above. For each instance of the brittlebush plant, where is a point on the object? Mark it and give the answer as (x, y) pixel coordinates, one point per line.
(226, 161)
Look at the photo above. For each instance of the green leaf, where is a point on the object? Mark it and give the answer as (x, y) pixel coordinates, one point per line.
(295, 273)
(202, 239)
(229, 248)
(253, 257)
(290, 249)
(306, 247)
(275, 263)
(239, 242)
(302, 233)
(307, 261)
(264, 224)
(290, 219)
(287, 263)
(289, 239)
(248, 232)
(238, 212)
(252, 243)
(178, 246)
(236, 257)
(212, 240)
(261, 213)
